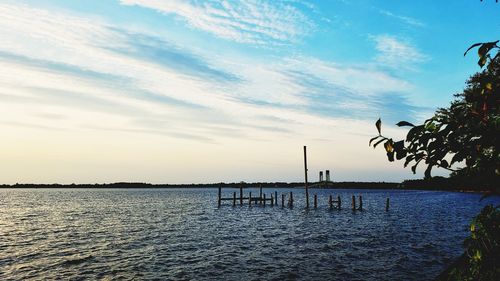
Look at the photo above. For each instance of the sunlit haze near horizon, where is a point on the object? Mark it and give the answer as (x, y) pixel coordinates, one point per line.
(224, 91)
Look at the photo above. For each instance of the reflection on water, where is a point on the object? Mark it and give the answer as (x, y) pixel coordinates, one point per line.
(180, 235)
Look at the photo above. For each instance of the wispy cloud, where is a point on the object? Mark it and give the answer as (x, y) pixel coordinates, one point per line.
(143, 83)
(407, 20)
(102, 88)
(248, 21)
(397, 53)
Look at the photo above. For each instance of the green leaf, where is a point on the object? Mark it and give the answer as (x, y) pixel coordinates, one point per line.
(388, 146)
(390, 156)
(488, 86)
(457, 158)
(474, 45)
(399, 145)
(484, 50)
(431, 127)
(408, 160)
(427, 172)
(419, 156)
(377, 143)
(401, 154)
(399, 149)
(486, 47)
(404, 123)
(414, 168)
(414, 132)
(372, 139)
(378, 124)
(482, 61)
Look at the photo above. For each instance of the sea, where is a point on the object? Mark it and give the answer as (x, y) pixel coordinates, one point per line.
(182, 234)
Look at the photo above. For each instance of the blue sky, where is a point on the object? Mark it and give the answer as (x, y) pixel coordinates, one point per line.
(210, 91)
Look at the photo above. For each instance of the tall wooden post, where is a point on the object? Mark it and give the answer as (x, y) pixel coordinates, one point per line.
(272, 200)
(264, 199)
(330, 202)
(241, 195)
(360, 203)
(339, 202)
(234, 198)
(305, 173)
(290, 200)
(250, 199)
(220, 195)
(387, 205)
(315, 201)
(282, 200)
(276, 198)
(354, 203)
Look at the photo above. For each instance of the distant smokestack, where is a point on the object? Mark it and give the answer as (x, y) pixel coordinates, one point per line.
(327, 175)
(320, 176)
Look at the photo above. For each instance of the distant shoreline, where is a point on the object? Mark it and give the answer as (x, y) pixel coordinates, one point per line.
(406, 185)
(374, 185)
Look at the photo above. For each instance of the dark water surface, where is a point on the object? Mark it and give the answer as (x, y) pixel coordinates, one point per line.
(179, 234)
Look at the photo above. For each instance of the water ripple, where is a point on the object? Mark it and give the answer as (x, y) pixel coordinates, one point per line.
(175, 234)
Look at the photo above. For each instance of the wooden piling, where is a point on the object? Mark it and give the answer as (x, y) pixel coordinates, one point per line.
(387, 205)
(250, 199)
(305, 173)
(276, 198)
(220, 196)
(260, 194)
(272, 200)
(354, 203)
(330, 202)
(339, 203)
(241, 195)
(290, 200)
(264, 199)
(282, 200)
(234, 198)
(360, 203)
(315, 201)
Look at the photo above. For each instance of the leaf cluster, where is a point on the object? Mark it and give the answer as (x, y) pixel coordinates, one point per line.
(465, 132)
(482, 253)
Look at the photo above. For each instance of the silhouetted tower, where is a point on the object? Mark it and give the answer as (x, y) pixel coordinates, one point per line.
(327, 175)
(320, 176)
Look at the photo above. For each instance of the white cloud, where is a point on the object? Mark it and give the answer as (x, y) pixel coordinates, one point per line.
(397, 53)
(249, 21)
(65, 41)
(407, 20)
(87, 74)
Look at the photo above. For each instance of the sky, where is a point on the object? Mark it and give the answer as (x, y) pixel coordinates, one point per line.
(191, 91)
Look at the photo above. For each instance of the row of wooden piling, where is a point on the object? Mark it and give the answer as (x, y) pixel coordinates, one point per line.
(273, 200)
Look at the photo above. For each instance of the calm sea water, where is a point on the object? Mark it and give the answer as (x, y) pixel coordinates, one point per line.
(180, 234)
